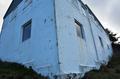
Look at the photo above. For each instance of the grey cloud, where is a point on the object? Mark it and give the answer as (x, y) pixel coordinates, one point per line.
(115, 15)
(97, 3)
(107, 11)
(3, 7)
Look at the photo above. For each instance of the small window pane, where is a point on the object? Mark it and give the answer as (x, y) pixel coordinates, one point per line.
(26, 31)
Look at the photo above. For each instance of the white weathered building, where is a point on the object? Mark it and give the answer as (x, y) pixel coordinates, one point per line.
(55, 37)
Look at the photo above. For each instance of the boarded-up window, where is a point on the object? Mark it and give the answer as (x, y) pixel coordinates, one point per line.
(83, 11)
(75, 4)
(13, 15)
(27, 3)
(27, 30)
(79, 29)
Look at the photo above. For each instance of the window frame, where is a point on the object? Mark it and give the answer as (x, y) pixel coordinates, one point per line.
(80, 31)
(26, 27)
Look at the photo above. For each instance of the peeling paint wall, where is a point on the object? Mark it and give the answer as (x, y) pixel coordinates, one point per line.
(40, 51)
(79, 55)
(54, 47)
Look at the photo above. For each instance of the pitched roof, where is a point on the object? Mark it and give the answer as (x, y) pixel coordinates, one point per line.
(12, 7)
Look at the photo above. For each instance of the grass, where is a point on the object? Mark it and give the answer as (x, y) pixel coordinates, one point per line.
(111, 71)
(16, 71)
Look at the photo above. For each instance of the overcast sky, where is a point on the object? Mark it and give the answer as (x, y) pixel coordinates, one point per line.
(4, 4)
(107, 11)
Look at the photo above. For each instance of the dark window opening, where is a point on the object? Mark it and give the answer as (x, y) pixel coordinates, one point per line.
(108, 46)
(27, 30)
(101, 42)
(79, 29)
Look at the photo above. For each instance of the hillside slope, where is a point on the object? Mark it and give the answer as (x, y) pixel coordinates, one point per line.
(111, 71)
(16, 71)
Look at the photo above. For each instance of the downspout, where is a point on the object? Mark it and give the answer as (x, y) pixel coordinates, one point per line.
(92, 35)
(54, 5)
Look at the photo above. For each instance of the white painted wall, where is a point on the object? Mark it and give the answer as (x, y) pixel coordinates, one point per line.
(54, 47)
(40, 51)
(78, 55)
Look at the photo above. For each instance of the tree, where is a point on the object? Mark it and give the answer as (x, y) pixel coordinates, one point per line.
(115, 42)
(113, 37)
